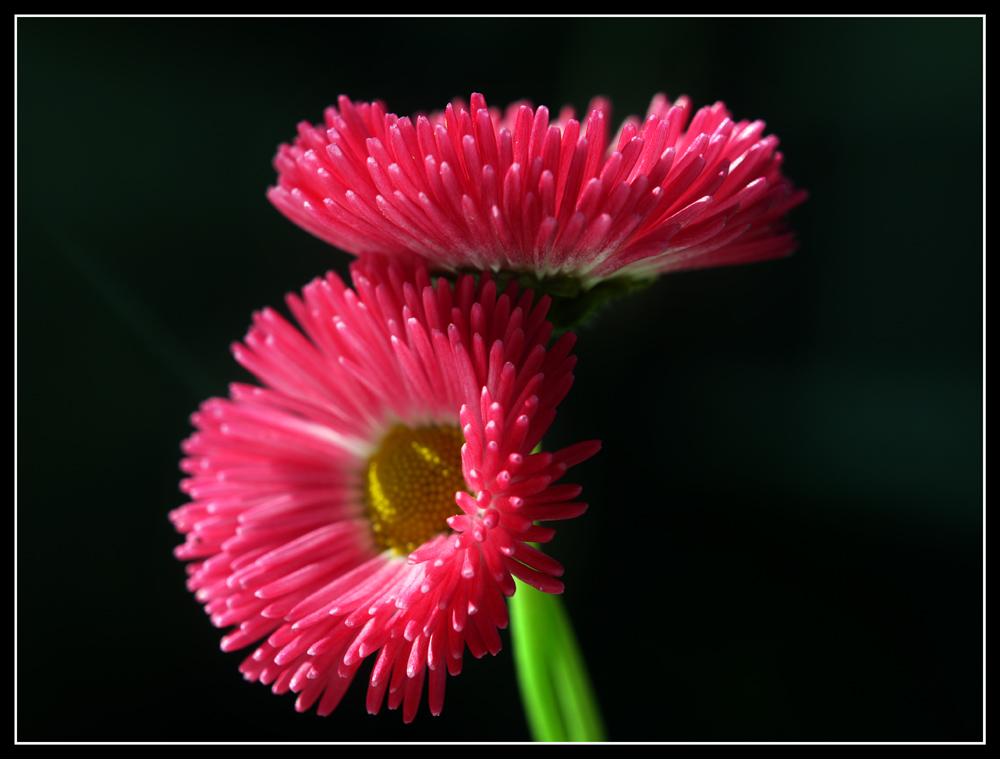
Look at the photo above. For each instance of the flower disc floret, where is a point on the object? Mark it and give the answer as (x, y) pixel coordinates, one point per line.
(410, 485)
(424, 389)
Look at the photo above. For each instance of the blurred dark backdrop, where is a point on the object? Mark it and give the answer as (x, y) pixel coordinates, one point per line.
(785, 533)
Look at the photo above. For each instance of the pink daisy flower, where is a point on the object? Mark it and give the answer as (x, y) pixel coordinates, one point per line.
(471, 189)
(378, 495)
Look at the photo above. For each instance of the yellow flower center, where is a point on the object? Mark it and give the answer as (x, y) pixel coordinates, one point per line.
(410, 485)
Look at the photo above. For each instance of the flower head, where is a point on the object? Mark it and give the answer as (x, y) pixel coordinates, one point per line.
(379, 493)
(471, 189)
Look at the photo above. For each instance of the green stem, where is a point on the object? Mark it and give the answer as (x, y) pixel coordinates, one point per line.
(558, 699)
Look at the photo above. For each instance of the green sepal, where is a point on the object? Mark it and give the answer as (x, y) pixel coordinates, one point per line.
(574, 301)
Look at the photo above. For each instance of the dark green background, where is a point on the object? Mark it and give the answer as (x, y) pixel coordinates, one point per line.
(785, 533)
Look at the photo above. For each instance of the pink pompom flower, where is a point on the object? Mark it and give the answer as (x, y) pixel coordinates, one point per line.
(470, 189)
(377, 496)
